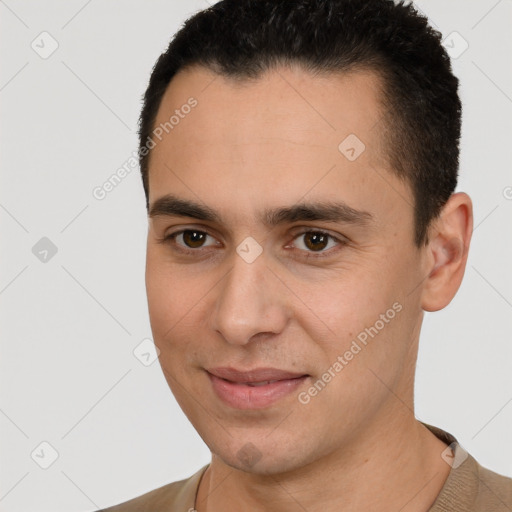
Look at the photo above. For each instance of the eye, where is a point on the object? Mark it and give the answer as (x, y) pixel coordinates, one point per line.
(189, 239)
(316, 241)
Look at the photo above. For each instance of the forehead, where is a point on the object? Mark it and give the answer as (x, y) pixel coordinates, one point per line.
(284, 103)
(275, 138)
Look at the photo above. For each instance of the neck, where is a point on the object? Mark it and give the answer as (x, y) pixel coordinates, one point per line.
(394, 464)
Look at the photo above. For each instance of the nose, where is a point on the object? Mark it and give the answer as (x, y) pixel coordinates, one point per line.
(251, 301)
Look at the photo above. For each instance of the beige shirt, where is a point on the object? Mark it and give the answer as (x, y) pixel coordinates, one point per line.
(468, 488)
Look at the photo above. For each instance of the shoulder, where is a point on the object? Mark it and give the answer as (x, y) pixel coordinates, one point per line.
(494, 491)
(470, 487)
(178, 495)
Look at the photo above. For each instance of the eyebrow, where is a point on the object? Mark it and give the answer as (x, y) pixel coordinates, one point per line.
(328, 211)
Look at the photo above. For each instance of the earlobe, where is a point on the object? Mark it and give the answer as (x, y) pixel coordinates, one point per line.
(448, 249)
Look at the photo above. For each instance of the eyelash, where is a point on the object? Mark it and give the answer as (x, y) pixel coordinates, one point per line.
(170, 238)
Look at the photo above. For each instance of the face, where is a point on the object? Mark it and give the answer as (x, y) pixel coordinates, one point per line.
(285, 301)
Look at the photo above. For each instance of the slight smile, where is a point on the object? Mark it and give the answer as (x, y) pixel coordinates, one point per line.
(253, 389)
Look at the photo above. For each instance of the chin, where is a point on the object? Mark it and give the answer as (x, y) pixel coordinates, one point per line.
(261, 457)
(264, 467)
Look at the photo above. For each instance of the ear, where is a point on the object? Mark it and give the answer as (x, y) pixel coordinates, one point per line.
(447, 252)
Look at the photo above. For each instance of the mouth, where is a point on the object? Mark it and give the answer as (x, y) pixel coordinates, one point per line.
(256, 384)
(254, 389)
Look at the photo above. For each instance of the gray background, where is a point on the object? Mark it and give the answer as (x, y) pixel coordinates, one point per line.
(70, 321)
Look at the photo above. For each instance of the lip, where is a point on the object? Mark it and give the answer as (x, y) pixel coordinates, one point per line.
(234, 387)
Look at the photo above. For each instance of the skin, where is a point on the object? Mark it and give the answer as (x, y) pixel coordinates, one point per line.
(268, 143)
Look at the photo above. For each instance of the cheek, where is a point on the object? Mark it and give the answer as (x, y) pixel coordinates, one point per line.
(166, 295)
(166, 285)
(345, 303)
(178, 301)
(357, 317)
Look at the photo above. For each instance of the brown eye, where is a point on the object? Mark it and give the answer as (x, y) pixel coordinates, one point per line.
(194, 239)
(316, 241)
(190, 240)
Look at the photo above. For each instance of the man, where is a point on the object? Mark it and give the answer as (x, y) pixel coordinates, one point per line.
(299, 161)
